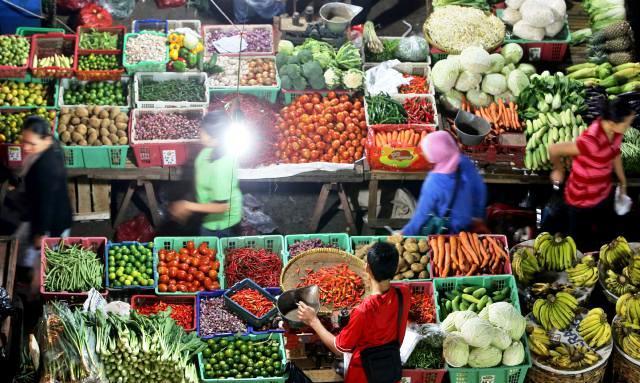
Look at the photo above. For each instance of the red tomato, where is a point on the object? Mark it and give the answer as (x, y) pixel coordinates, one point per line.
(191, 245)
(182, 258)
(183, 266)
(181, 287)
(170, 256)
(192, 270)
(172, 288)
(331, 95)
(208, 285)
(161, 256)
(181, 275)
(173, 263)
(163, 279)
(172, 272)
(204, 268)
(199, 275)
(189, 278)
(162, 287)
(163, 270)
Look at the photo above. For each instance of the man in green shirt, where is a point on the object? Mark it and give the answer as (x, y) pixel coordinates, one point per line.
(216, 179)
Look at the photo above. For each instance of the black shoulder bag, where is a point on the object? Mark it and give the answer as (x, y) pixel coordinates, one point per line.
(382, 364)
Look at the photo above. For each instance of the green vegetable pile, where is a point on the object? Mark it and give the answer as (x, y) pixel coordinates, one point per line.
(14, 50)
(471, 298)
(616, 80)
(94, 347)
(98, 40)
(96, 93)
(382, 109)
(425, 356)
(389, 46)
(318, 65)
(547, 93)
(480, 4)
(98, 62)
(72, 269)
(226, 358)
(631, 151)
(173, 90)
(131, 265)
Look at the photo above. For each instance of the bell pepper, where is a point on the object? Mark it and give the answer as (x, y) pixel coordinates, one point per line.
(199, 48)
(179, 65)
(184, 53)
(174, 38)
(174, 46)
(192, 60)
(174, 54)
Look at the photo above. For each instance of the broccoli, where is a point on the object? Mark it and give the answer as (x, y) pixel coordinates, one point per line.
(304, 55)
(291, 77)
(293, 60)
(312, 69)
(286, 82)
(281, 59)
(300, 84)
(318, 83)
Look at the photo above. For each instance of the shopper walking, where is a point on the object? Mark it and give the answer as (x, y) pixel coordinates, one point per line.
(380, 320)
(44, 194)
(589, 192)
(218, 194)
(453, 196)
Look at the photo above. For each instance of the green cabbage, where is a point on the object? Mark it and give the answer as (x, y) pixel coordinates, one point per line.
(505, 97)
(477, 332)
(444, 74)
(455, 99)
(527, 69)
(501, 339)
(286, 47)
(479, 98)
(513, 355)
(508, 318)
(455, 350)
(507, 69)
(517, 81)
(484, 357)
(475, 60)
(497, 63)
(412, 49)
(512, 53)
(467, 81)
(494, 84)
(463, 316)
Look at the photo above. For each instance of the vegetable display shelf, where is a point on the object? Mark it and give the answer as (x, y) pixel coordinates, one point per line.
(138, 301)
(11, 155)
(289, 95)
(95, 157)
(498, 282)
(66, 83)
(243, 313)
(154, 25)
(30, 31)
(98, 243)
(140, 78)
(251, 337)
(47, 45)
(119, 30)
(338, 240)
(273, 243)
(206, 29)
(12, 71)
(498, 237)
(144, 66)
(109, 246)
(266, 92)
(363, 53)
(550, 49)
(163, 153)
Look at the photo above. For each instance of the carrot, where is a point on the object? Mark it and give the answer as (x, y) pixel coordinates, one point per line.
(441, 241)
(394, 137)
(485, 255)
(466, 245)
(433, 244)
(416, 139)
(499, 249)
(472, 271)
(472, 241)
(447, 260)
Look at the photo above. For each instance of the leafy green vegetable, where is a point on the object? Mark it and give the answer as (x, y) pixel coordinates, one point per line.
(425, 356)
(388, 53)
(548, 92)
(348, 57)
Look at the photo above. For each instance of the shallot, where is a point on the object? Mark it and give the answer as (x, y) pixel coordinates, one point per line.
(215, 319)
(170, 126)
(259, 40)
(145, 47)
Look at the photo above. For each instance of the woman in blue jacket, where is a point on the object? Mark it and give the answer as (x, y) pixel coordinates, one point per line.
(453, 196)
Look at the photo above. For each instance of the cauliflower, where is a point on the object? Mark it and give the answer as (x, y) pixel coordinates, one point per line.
(333, 77)
(353, 79)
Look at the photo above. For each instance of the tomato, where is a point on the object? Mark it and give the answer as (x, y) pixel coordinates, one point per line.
(163, 270)
(213, 274)
(335, 144)
(216, 285)
(189, 278)
(163, 279)
(191, 245)
(215, 265)
(161, 257)
(183, 266)
(303, 99)
(192, 270)
(316, 99)
(172, 272)
(196, 283)
(204, 268)
(340, 117)
(344, 98)
(188, 261)
(181, 275)
(340, 127)
(170, 256)
(173, 263)
(162, 287)
(335, 159)
(357, 105)
(315, 155)
(182, 258)
(331, 95)
(308, 107)
(320, 145)
(172, 288)
(181, 287)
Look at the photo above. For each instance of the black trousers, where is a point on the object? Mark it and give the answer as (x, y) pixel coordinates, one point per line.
(592, 227)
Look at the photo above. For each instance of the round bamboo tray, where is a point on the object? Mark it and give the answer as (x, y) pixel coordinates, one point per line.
(624, 368)
(538, 375)
(432, 43)
(315, 259)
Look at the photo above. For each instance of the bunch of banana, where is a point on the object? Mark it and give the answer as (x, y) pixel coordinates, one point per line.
(630, 342)
(628, 306)
(525, 264)
(555, 252)
(570, 357)
(594, 328)
(556, 311)
(618, 284)
(616, 254)
(540, 289)
(539, 341)
(633, 270)
(584, 273)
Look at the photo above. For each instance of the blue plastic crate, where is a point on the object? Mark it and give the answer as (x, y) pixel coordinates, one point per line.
(251, 319)
(212, 294)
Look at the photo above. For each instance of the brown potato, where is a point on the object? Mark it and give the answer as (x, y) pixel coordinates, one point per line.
(75, 121)
(401, 263)
(94, 122)
(92, 138)
(91, 131)
(113, 112)
(423, 246)
(105, 140)
(113, 138)
(82, 129)
(121, 118)
(65, 137)
(121, 126)
(396, 238)
(62, 128)
(64, 110)
(121, 133)
(65, 118)
(424, 259)
(410, 246)
(82, 112)
(409, 274)
(105, 123)
(84, 120)
(103, 114)
(104, 132)
(82, 142)
(112, 129)
(423, 275)
(76, 137)
(417, 267)
(123, 140)
(408, 257)
(397, 277)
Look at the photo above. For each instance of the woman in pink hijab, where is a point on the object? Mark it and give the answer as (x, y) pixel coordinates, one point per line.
(453, 195)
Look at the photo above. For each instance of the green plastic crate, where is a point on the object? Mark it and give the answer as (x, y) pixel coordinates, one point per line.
(341, 240)
(144, 66)
(52, 94)
(273, 243)
(365, 240)
(493, 282)
(505, 374)
(176, 243)
(269, 93)
(257, 337)
(95, 157)
(30, 31)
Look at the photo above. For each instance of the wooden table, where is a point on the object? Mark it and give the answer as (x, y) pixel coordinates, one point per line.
(8, 262)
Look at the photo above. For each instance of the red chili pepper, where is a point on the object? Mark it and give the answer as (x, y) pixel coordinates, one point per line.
(260, 265)
(181, 313)
(339, 286)
(253, 301)
(422, 309)
(418, 85)
(419, 110)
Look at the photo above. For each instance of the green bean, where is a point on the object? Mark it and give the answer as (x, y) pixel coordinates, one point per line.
(72, 269)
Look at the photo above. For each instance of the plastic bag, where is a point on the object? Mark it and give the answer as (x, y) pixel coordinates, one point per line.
(254, 219)
(93, 16)
(384, 79)
(170, 3)
(622, 202)
(413, 49)
(72, 5)
(138, 229)
(245, 10)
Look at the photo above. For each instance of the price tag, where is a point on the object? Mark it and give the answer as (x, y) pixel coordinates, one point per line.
(488, 379)
(406, 379)
(15, 153)
(535, 54)
(169, 157)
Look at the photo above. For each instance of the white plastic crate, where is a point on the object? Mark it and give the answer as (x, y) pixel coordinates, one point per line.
(195, 25)
(65, 83)
(401, 99)
(142, 76)
(247, 27)
(412, 69)
(136, 113)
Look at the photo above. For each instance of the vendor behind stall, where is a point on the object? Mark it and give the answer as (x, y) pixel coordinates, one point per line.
(218, 194)
(381, 319)
(454, 196)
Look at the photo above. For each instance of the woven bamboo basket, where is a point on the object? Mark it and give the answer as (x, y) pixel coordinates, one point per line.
(538, 375)
(315, 259)
(456, 52)
(624, 369)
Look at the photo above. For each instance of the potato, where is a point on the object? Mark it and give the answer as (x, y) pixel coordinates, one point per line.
(113, 129)
(121, 126)
(71, 129)
(401, 263)
(410, 240)
(123, 140)
(113, 112)
(65, 137)
(64, 119)
(75, 121)
(92, 138)
(404, 268)
(62, 128)
(91, 131)
(103, 114)
(82, 112)
(82, 142)
(423, 246)
(399, 248)
(95, 111)
(105, 140)
(397, 277)
(64, 110)
(113, 138)
(84, 120)
(395, 238)
(424, 259)
(423, 275)
(105, 123)
(121, 118)
(94, 122)
(411, 247)
(104, 132)
(408, 274)
(408, 257)
(82, 129)
(417, 267)
(121, 133)
(76, 137)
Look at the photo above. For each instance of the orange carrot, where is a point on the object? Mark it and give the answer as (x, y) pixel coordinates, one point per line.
(416, 139)
(441, 241)
(472, 271)
(466, 245)
(389, 138)
(433, 244)
(447, 260)
(498, 247)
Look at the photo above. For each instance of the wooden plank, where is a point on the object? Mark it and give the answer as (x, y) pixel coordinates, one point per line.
(3, 259)
(72, 189)
(101, 193)
(84, 196)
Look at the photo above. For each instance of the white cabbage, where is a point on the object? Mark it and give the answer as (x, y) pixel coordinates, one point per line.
(444, 74)
(513, 355)
(501, 339)
(467, 81)
(455, 350)
(494, 84)
(517, 81)
(477, 332)
(506, 317)
(461, 317)
(497, 62)
(484, 357)
(475, 60)
(512, 53)
(479, 98)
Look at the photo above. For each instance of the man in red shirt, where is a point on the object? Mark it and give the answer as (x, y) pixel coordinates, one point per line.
(372, 323)
(589, 190)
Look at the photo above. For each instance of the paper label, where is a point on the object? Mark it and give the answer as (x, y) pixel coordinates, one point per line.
(488, 379)
(15, 153)
(231, 44)
(398, 157)
(169, 157)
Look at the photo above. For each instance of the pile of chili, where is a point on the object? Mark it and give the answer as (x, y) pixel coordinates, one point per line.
(181, 313)
(418, 85)
(419, 110)
(422, 309)
(339, 286)
(253, 301)
(260, 265)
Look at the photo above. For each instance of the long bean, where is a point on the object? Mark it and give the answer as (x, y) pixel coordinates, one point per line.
(382, 109)
(72, 269)
(173, 90)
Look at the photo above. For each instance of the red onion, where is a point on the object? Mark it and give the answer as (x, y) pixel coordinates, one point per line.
(309, 244)
(258, 40)
(215, 319)
(170, 126)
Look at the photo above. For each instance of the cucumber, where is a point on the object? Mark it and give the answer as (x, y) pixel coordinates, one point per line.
(464, 306)
(455, 304)
(470, 298)
(479, 293)
(473, 308)
(448, 305)
(470, 289)
(483, 302)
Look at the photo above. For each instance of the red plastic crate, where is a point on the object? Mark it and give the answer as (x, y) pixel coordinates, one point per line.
(7, 71)
(499, 237)
(545, 51)
(143, 300)
(99, 75)
(395, 159)
(420, 288)
(496, 154)
(423, 376)
(99, 243)
(48, 45)
(11, 155)
(120, 30)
